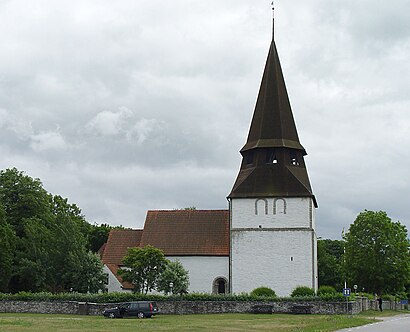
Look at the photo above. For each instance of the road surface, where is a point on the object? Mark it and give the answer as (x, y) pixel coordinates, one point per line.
(400, 323)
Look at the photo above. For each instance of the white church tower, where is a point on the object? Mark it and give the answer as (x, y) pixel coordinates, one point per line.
(272, 207)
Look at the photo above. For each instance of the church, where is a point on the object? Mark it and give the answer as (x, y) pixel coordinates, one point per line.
(266, 236)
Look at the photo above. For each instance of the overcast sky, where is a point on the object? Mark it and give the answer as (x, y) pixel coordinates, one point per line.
(126, 106)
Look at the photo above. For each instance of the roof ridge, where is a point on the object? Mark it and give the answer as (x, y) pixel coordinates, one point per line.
(187, 211)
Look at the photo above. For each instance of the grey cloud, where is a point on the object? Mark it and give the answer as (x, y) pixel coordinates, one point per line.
(137, 105)
(47, 141)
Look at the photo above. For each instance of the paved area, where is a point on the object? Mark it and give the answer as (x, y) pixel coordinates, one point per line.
(400, 323)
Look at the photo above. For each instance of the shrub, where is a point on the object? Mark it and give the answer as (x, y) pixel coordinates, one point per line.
(388, 297)
(127, 297)
(326, 290)
(334, 297)
(401, 296)
(302, 291)
(122, 297)
(368, 295)
(264, 292)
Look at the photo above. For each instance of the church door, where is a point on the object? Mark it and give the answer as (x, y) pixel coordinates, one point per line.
(221, 286)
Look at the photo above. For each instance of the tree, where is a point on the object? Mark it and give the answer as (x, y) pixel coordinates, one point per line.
(7, 248)
(27, 211)
(93, 279)
(98, 235)
(76, 267)
(143, 267)
(85, 274)
(329, 262)
(33, 269)
(174, 279)
(22, 197)
(377, 253)
(408, 290)
(43, 240)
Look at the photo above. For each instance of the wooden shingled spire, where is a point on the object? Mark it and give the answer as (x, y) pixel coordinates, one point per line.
(273, 164)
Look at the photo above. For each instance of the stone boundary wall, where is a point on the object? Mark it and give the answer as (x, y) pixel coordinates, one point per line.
(201, 307)
(40, 307)
(191, 307)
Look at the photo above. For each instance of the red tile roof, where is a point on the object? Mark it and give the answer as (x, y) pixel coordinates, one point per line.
(188, 232)
(118, 243)
(175, 232)
(100, 251)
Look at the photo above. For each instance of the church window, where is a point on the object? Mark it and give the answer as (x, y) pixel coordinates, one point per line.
(279, 206)
(259, 202)
(220, 286)
(294, 159)
(249, 157)
(271, 157)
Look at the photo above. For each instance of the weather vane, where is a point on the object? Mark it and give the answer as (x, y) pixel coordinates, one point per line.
(273, 20)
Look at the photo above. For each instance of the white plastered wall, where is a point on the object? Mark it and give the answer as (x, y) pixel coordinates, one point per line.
(286, 212)
(113, 284)
(273, 247)
(203, 270)
(280, 260)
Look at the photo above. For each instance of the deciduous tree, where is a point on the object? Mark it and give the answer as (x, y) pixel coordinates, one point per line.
(76, 267)
(329, 261)
(23, 197)
(47, 237)
(143, 267)
(377, 253)
(98, 235)
(174, 279)
(7, 248)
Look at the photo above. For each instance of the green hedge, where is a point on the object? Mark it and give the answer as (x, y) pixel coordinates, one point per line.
(126, 297)
(302, 291)
(326, 290)
(80, 297)
(264, 292)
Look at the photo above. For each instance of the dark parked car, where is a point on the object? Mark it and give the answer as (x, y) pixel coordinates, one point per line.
(138, 309)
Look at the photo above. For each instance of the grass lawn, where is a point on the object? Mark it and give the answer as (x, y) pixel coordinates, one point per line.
(221, 322)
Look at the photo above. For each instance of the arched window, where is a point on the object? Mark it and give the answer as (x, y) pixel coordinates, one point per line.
(271, 156)
(249, 157)
(220, 286)
(294, 158)
(257, 204)
(279, 206)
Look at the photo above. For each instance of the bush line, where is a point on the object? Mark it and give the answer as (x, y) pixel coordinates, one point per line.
(127, 297)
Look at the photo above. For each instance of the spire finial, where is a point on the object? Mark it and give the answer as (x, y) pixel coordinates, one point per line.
(273, 21)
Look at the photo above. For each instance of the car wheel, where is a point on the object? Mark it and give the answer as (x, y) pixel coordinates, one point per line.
(140, 315)
(111, 315)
